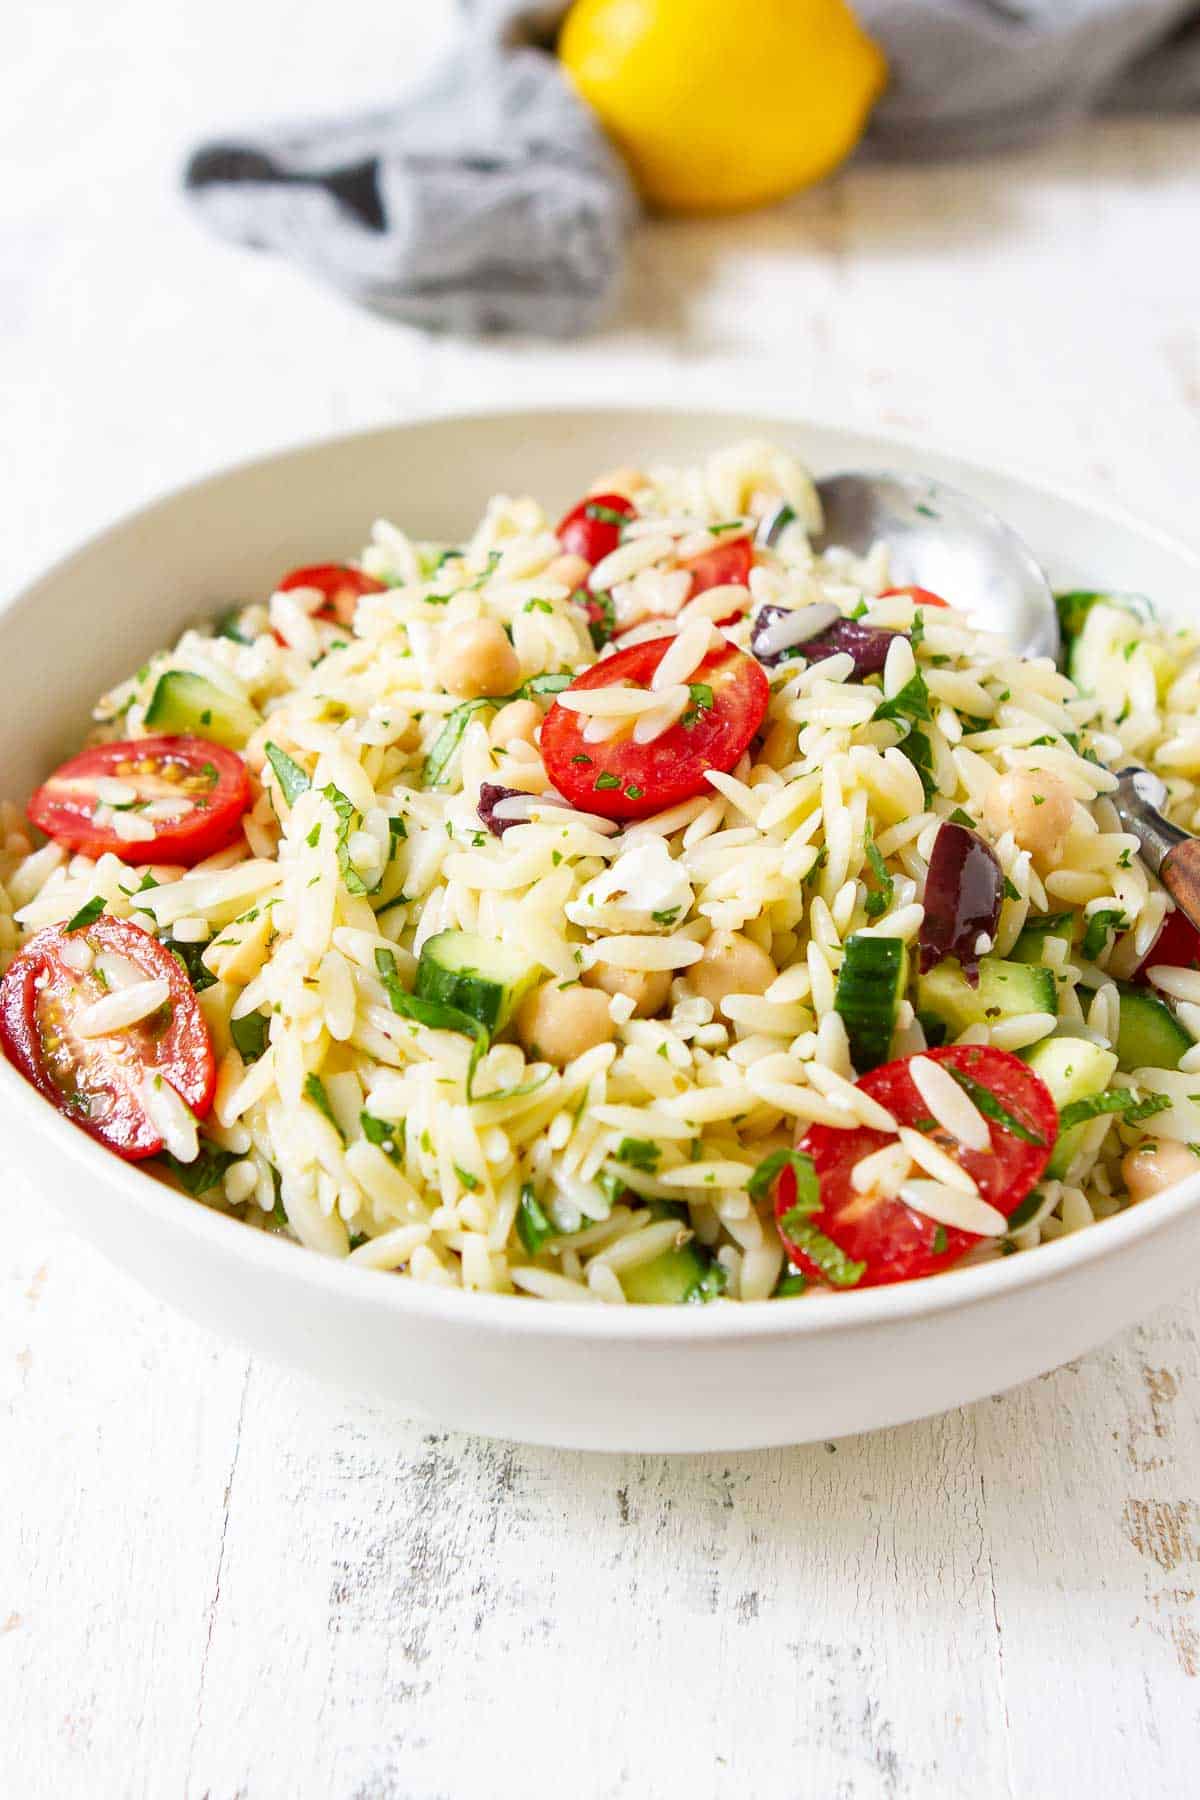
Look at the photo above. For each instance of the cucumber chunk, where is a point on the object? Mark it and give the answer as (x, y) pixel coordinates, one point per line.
(1005, 990)
(871, 985)
(1075, 606)
(1073, 1069)
(482, 978)
(187, 705)
(1112, 634)
(1030, 946)
(1149, 1036)
(685, 1277)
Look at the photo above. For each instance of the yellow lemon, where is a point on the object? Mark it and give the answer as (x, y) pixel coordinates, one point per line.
(716, 105)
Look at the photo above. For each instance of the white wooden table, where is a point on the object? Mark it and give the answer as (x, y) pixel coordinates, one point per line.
(216, 1579)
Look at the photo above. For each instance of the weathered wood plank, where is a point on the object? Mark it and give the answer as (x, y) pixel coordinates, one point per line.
(821, 1617)
(119, 1428)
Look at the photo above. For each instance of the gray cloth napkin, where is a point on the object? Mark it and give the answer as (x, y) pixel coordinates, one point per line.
(491, 201)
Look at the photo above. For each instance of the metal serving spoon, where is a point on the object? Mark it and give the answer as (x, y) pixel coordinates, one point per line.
(941, 539)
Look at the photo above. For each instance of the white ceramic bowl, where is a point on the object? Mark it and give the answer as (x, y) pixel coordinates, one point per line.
(705, 1378)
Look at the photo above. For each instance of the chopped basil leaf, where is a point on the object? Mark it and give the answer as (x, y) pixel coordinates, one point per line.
(834, 1264)
(909, 705)
(512, 1093)
(1146, 1109)
(204, 1172)
(939, 1241)
(638, 1153)
(88, 913)
(607, 780)
(432, 1013)
(291, 777)
(880, 897)
(314, 1090)
(190, 956)
(1095, 938)
(384, 1135)
(708, 1286)
(533, 1227)
(808, 1189)
(1021, 1215)
(990, 1107)
(608, 515)
(348, 818)
(249, 1034)
(792, 1281)
(448, 740)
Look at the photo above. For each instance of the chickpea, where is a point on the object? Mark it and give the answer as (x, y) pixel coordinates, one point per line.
(559, 1023)
(1157, 1164)
(519, 719)
(570, 569)
(477, 659)
(731, 964)
(1037, 808)
(647, 988)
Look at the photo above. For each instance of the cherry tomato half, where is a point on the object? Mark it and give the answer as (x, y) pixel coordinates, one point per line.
(1177, 945)
(724, 565)
(623, 780)
(206, 785)
(894, 1242)
(593, 528)
(95, 1081)
(341, 585)
(919, 595)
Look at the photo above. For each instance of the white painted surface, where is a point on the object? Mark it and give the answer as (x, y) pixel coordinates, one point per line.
(216, 1579)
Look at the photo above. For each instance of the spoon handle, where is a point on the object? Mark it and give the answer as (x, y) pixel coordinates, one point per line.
(1172, 854)
(1180, 875)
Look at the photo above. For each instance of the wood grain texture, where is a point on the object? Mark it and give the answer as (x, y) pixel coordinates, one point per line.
(216, 1580)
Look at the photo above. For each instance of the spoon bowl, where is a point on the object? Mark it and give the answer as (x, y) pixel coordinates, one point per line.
(940, 538)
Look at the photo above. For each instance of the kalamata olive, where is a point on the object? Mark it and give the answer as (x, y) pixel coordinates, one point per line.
(963, 891)
(772, 641)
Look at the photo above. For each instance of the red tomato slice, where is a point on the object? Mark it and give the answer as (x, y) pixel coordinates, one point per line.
(207, 783)
(341, 585)
(922, 596)
(593, 528)
(623, 780)
(94, 1081)
(1177, 945)
(893, 1242)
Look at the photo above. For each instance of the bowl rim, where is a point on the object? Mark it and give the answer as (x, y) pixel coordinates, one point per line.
(856, 1309)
